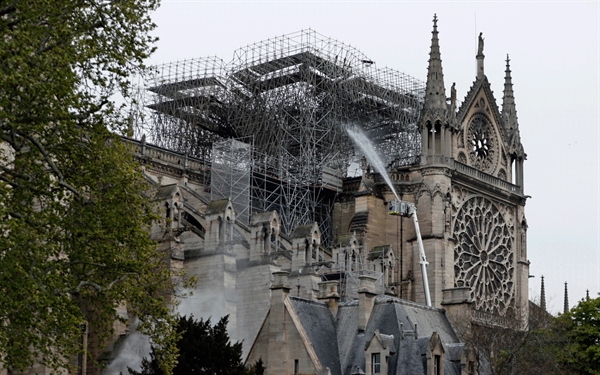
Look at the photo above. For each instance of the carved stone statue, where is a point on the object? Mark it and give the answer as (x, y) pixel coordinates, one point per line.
(453, 95)
(480, 47)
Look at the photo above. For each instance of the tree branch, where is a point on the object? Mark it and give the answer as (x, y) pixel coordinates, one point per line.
(11, 8)
(57, 172)
(99, 288)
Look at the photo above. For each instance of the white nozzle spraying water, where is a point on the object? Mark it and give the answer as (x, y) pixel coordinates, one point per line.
(364, 143)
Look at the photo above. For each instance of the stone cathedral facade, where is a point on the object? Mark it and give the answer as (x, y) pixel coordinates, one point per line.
(468, 192)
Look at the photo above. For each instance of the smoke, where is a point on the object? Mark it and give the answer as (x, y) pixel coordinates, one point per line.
(130, 353)
(199, 303)
(203, 304)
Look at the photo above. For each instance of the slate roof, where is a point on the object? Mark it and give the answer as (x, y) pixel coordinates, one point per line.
(340, 346)
(318, 322)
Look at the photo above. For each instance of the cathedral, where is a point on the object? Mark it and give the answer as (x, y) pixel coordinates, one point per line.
(316, 275)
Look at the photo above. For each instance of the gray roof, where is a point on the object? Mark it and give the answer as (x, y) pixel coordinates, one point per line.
(318, 322)
(341, 346)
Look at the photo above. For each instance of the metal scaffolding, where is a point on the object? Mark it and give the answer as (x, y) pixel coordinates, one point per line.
(294, 95)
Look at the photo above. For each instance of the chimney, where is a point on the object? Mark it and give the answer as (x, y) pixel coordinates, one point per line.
(366, 300)
(328, 292)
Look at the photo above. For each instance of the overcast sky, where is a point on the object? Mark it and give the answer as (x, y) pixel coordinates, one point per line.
(554, 51)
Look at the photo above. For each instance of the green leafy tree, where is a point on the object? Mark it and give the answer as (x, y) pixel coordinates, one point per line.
(74, 240)
(205, 350)
(581, 329)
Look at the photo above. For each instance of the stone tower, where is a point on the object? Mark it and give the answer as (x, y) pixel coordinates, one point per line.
(470, 196)
(468, 191)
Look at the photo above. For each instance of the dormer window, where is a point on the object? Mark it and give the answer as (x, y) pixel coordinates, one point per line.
(376, 363)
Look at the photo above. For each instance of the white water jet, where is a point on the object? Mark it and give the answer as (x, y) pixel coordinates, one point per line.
(364, 143)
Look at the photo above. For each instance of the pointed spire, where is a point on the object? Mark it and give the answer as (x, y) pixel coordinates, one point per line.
(587, 294)
(566, 305)
(543, 296)
(435, 94)
(509, 110)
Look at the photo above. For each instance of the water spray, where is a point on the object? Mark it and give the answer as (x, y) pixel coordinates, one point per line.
(364, 143)
(395, 207)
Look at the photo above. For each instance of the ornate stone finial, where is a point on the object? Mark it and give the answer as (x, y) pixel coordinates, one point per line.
(566, 304)
(435, 21)
(480, 56)
(543, 296)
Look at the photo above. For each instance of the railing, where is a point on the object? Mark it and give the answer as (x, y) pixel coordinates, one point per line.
(492, 180)
(168, 156)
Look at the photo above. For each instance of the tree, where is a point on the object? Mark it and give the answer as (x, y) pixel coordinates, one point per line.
(581, 328)
(74, 240)
(515, 344)
(204, 350)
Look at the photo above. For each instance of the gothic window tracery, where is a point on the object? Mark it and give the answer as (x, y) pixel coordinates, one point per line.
(482, 144)
(483, 255)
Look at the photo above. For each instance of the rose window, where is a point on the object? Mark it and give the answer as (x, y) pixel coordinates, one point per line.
(482, 145)
(483, 256)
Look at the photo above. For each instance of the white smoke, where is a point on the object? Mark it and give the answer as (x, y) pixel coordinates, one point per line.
(130, 353)
(199, 303)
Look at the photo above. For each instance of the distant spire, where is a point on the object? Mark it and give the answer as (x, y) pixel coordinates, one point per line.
(435, 95)
(587, 294)
(543, 296)
(566, 306)
(509, 110)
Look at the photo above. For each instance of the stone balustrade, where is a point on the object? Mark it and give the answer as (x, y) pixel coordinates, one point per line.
(492, 180)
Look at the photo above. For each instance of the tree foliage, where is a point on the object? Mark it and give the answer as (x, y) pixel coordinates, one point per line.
(545, 345)
(204, 350)
(74, 226)
(581, 329)
(518, 344)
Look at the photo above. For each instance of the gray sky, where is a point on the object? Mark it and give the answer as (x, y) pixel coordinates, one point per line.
(554, 51)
